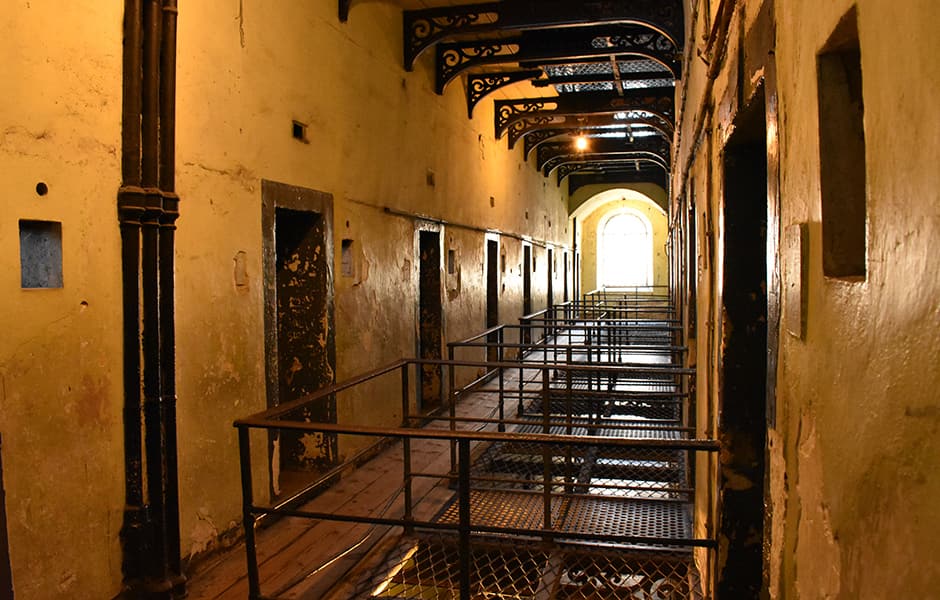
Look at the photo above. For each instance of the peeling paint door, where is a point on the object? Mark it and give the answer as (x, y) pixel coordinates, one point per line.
(304, 337)
(492, 296)
(430, 318)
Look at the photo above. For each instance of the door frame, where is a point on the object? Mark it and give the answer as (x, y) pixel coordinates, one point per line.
(276, 195)
(434, 227)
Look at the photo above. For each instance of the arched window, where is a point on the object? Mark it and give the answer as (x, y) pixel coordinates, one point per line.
(625, 251)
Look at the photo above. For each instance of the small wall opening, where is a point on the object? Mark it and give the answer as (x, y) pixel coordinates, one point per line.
(451, 261)
(842, 151)
(346, 254)
(40, 254)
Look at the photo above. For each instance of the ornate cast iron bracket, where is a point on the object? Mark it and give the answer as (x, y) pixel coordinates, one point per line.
(424, 28)
(478, 86)
(534, 49)
(452, 59)
(665, 16)
(532, 139)
(656, 101)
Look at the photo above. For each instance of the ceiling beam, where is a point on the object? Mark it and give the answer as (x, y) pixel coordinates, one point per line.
(533, 135)
(552, 155)
(534, 48)
(637, 163)
(656, 101)
(424, 28)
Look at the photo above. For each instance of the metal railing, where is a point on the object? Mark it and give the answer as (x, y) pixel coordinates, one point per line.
(544, 455)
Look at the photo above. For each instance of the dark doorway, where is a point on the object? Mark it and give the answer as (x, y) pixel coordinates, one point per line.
(430, 318)
(550, 269)
(492, 297)
(564, 275)
(526, 289)
(743, 369)
(300, 350)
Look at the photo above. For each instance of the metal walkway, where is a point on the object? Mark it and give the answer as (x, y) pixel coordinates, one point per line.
(578, 486)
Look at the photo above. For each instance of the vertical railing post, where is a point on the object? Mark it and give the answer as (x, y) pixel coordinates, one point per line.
(502, 385)
(547, 458)
(248, 519)
(405, 404)
(407, 479)
(519, 408)
(452, 408)
(463, 523)
(569, 409)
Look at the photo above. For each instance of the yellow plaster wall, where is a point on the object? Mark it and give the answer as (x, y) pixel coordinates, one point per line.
(246, 71)
(852, 460)
(60, 383)
(858, 397)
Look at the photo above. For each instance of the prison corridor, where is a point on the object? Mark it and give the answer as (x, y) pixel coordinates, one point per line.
(560, 468)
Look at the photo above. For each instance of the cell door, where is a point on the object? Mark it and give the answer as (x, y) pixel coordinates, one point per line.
(299, 331)
(430, 319)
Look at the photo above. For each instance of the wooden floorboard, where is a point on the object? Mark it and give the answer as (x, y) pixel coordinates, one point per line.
(292, 548)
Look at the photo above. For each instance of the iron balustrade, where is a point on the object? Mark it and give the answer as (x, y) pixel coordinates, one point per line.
(554, 444)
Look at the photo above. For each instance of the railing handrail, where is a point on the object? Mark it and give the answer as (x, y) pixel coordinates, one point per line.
(593, 368)
(693, 444)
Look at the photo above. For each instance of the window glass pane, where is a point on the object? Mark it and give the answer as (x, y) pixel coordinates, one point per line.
(626, 252)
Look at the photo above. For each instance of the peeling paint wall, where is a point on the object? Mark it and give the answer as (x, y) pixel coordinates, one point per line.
(375, 135)
(852, 456)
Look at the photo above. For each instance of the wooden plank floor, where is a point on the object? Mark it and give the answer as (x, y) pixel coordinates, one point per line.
(296, 556)
(291, 551)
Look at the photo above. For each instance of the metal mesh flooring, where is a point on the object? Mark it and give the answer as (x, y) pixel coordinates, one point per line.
(576, 514)
(427, 566)
(626, 505)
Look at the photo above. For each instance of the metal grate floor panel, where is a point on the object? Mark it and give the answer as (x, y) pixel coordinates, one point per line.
(426, 567)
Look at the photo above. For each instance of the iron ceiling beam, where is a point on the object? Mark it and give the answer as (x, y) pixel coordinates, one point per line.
(479, 85)
(655, 101)
(550, 156)
(618, 165)
(665, 16)
(609, 158)
(535, 134)
(424, 28)
(533, 48)
(598, 78)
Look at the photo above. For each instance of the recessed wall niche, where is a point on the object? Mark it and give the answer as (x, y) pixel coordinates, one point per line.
(40, 254)
(842, 152)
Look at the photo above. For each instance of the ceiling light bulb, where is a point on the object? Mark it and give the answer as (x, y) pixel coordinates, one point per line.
(580, 143)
